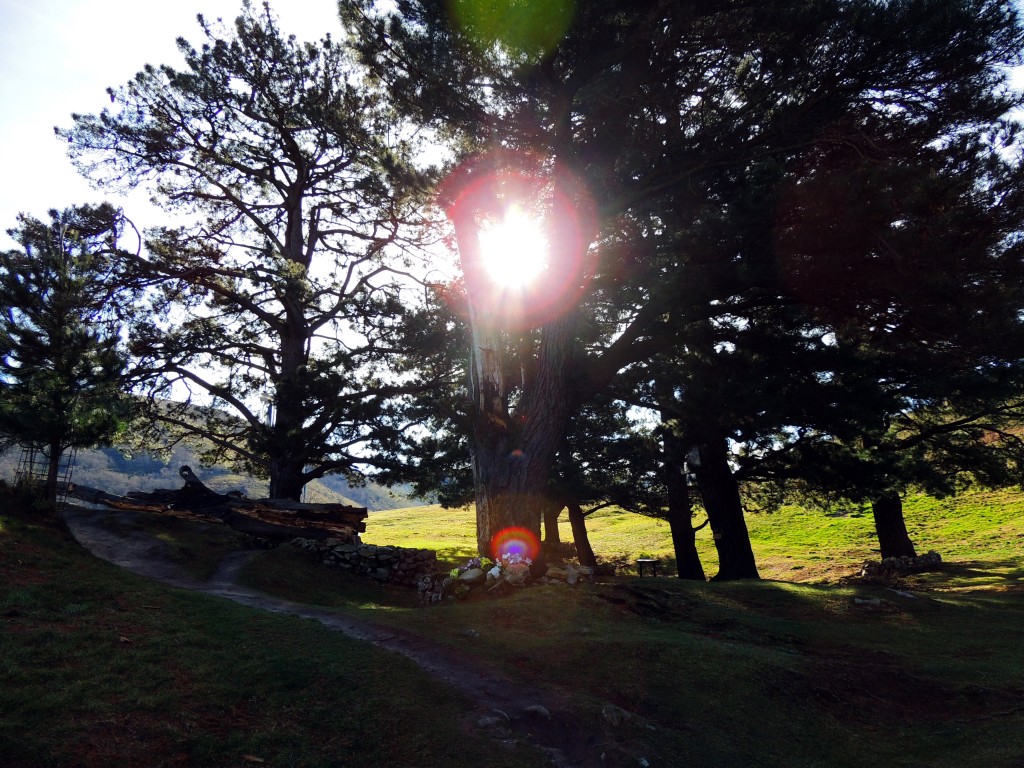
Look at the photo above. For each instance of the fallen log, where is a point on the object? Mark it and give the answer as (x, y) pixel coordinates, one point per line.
(276, 519)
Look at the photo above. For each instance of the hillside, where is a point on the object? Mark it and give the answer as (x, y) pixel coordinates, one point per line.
(114, 472)
(108, 669)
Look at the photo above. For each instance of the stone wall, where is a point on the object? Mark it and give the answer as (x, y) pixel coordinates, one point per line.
(892, 567)
(394, 565)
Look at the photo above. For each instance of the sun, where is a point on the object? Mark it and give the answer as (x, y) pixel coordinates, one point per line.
(514, 249)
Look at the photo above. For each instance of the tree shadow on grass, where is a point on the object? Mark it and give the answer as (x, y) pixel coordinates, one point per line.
(974, 574)
(453, 556)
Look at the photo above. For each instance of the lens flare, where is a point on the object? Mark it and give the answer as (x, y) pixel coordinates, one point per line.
(491, 185)
(514, 249)
(517, 27)
(514, 541)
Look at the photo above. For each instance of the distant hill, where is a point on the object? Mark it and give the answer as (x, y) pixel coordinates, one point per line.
(110, 470)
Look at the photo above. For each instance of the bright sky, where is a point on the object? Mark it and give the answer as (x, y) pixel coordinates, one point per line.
(59, 56)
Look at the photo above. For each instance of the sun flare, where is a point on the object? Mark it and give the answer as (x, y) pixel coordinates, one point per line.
(514, 249)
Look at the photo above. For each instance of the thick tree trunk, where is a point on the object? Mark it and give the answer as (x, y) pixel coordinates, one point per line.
(286, 479)
(721, 496)
(514, 448)
(578, 521)
(893, 539)
(680, 515)
(514, 454)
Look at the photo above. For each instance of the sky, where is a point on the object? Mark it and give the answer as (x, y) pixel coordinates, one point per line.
(59, 56)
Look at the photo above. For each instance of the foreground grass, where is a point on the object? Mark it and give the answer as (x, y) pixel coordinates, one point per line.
(801, 672)
(100, 668)
(740, 674)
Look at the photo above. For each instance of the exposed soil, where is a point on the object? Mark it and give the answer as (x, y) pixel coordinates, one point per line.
(514, 712)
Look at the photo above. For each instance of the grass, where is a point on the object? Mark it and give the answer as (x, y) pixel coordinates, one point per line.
(801, 669)
(98, 667)
(763, 673)
(981, 532)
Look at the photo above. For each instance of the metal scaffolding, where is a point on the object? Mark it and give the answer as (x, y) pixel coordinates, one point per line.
(34, 465)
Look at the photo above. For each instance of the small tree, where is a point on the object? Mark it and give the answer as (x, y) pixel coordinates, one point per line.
(60, 362)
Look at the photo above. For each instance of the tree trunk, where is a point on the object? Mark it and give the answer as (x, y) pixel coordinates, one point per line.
(680, 515)
(53, 454)
(893, 539)
(513, 452)
(721, 496)
(578, 521)
(286, 479)
(680, 506)
(552, 537)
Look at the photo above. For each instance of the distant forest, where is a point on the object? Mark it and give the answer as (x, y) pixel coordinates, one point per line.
(112, 471)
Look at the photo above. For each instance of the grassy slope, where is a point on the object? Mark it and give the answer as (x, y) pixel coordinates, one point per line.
(773, 673)
(99, 668)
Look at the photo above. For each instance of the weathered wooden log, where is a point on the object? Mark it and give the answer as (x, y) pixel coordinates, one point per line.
(269, 518)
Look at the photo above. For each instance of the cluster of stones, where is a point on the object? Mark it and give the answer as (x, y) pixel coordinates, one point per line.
(394, 565)
(898, 566)
(473, 583)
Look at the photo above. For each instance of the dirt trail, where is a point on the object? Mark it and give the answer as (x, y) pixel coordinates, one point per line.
(513, 712)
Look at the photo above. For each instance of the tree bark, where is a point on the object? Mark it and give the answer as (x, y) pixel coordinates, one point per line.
(893, 538)
(721, 496)
(513, 452)
(680, 506)
(552, 537)
(286, 478)
(578, 521)
(53, 454)
(680, 515)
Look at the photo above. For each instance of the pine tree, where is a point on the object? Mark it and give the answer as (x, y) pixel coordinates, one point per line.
(666, 134)
(61, 359)
(275, 294)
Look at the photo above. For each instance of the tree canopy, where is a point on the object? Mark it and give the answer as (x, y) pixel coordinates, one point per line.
(272, 298)
(789, 235)
(701, 164)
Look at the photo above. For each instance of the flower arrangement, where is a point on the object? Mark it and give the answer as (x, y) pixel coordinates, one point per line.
(482, 563)
(511, 567)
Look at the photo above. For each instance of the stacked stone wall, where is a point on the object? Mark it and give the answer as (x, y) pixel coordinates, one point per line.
(393, 565)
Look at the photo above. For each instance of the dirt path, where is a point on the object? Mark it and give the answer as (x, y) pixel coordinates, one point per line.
(514, 712)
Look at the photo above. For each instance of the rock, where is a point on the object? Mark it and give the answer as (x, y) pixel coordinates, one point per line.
(556, 573)
(473, 576)
(489, 722)
(469, 633)
(616, 717)
(572, 576)
(515, 573)
(537, 710)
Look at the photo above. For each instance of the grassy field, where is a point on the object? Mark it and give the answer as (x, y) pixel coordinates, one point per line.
(980, 533)
(98, 667)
